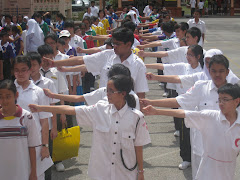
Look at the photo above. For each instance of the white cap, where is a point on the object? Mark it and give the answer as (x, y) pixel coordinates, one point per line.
(64, 33)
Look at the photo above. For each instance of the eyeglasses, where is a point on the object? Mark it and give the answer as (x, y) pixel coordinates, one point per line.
(116, 44)
(17, 71)
(190, 55)
(224, 100)
(109, 91)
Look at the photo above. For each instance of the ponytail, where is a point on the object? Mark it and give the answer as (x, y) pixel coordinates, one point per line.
(130, 100)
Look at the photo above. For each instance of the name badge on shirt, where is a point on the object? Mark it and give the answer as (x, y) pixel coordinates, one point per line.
(54, 77)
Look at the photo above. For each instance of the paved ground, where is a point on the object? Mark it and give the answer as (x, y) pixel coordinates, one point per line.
(161, 158)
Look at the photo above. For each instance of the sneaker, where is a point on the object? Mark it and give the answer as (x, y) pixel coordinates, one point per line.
(92, 89)
(60, 167)
(176, 133)
(184, 165)
(161, 85)
(165, 94)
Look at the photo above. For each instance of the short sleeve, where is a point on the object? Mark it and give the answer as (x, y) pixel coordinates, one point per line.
(94, 96)
(187, 81)
(53, 90)
(33, 133)
(142, 136)
(95, 62)
(62, 85)
(43, 100)
(84, 115)
(140, 84)
(174, 69)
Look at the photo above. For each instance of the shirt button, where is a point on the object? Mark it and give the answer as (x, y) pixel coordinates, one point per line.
(114, 143)
(113, 153)
(112, 163)
(129, 136)
(115, 132)
(117, 122)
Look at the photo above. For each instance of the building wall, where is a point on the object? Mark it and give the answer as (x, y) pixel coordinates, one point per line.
(28, 7)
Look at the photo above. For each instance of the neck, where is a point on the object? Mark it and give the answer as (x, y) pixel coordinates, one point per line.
(45, 68)
(219, 85)
(125, 56)
(24, 84)
(3, 42)
(120, 105)
(196, 20)
(194, 65)
(36, 77)
(231, 116)
(9, 111)
(72, 35)
(55, 52)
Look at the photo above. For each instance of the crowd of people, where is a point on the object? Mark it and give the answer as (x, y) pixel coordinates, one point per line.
(47, 69)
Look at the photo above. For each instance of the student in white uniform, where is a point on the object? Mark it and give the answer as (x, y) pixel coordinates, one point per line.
(117, 125)
(34, 36)
(203, 95)
(30, 93)
(97, 95)
(220, 130)
(196, 22)
(178, 55)
(18, 137)
(194, 65)
(101, 62)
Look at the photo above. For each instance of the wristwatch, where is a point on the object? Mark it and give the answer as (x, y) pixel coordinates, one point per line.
(45, 145)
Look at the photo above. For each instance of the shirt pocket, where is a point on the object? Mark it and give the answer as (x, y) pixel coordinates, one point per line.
(208, 104)
(127, 140)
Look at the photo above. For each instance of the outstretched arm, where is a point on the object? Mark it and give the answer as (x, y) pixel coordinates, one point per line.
(151, 44)
(149, 110)
(73, 61)
(80, 68)
(155, 66)
(61, 109)
(63, 97)
(159, 54)
(163, 78)
(169, 102)
(88, 51)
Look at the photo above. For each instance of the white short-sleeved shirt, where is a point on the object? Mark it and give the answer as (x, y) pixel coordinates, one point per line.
(200, 5)
(100, 94)
(44, 82)
(187, 81)
(221, 143)
(113, 130)
(180, 69)
(77, 41)
(33, 95)
(171, 44)
(176, 55)
(100, 63)
(57, 78)
(22, 133)
(94, 10)
(147, 11)
(87, 15)
(200, 25)
(193, 3)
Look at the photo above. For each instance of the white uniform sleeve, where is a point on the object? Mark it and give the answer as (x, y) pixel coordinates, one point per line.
(52, 88)
(94, 96)
(84, 115)
(33, 133)
(43, 100)
(174, 69)
(191, 98)
(197, 119)
(142, 136)
(175, 56)
(203, 28)
(95, 62)
(140, 84)
(103, 47)
(167, 44)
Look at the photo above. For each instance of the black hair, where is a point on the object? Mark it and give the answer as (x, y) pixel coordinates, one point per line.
(35, 56)
(219, 59)
(9, 85)
(22, 59)
(123, 34)
(61, 41)
(194, 31)
(92, 1)
(168, 27)
(69, 24)
(103, 13)
(36, 15)
(125, 20)
(94, 19)
(165, 15)
(128, 17)
(15, 29)
(3, 33)
(129, 25)
(160, 22)
(184, 40)
(53, 36)
(182, 25)
(108, 42)
(8, 16)
(45, 50)
(231, 89)
(124, 84)
(81, 24)
(197, 50)
(198, 11)
(87, 19)
(61, 16)
(118, 69)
